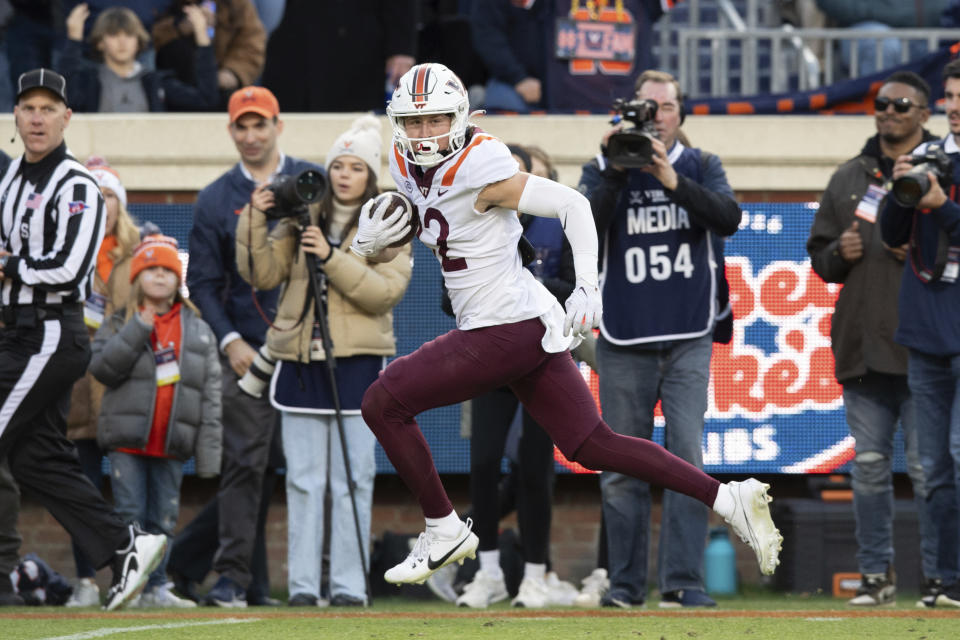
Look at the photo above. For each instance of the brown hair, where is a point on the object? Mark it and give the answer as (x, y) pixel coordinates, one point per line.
(114, 20)
(326, 203)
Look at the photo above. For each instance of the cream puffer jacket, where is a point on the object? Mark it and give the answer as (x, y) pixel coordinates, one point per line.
(360, 299)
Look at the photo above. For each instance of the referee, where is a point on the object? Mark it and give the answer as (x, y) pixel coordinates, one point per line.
(51, 225)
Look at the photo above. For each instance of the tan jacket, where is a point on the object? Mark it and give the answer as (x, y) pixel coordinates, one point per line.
(361, 294)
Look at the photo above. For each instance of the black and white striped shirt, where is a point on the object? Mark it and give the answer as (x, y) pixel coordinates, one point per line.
(52, 222)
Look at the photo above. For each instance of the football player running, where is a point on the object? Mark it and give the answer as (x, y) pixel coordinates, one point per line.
(510, 331)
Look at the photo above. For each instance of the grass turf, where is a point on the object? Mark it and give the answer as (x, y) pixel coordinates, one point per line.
(760, 615)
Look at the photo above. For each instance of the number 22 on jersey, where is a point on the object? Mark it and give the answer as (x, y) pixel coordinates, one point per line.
(435, 217)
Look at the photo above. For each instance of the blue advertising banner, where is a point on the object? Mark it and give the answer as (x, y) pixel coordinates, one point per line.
(775, 406)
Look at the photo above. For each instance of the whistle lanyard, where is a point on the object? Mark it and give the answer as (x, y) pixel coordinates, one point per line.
(594, 7)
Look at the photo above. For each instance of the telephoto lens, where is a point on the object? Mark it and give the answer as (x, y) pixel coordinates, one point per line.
(255, 380)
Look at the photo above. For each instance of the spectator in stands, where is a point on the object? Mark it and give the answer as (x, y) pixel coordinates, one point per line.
(374, 43)
(240, 327)
(360, 296)
(159, 362)
(845, 247)
(34, 38)
(880, 16)
(645, 357)
(551, 262)
(517, 42)
(928, 328)
(120, 238)
(119, 83)
(239, 42)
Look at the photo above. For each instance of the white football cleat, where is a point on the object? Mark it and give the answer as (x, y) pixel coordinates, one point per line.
(432, 552)
(533, 594)
(752, 522)
(483, 591)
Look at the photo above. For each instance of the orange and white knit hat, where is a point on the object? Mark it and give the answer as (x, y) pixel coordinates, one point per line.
(156, 251)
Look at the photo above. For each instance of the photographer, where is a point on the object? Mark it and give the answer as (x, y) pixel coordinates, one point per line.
(360, 298)
(662, 226)
(845, 247)
(232, 524)
(929, 312)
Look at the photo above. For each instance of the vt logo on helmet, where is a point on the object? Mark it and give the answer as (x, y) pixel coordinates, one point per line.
(426, 90)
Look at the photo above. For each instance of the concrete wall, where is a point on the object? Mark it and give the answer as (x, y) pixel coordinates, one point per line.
(185, 152)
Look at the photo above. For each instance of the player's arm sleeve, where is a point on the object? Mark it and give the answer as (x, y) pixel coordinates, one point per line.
(548, 199)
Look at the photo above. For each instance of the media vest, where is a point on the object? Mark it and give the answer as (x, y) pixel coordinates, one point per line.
(659, 267)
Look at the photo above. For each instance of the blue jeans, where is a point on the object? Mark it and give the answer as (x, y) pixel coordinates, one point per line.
(631, 381)
(501, 96)
(310, 441)
(270, 12)
(935, 384)
(147, 490)
(874, 406)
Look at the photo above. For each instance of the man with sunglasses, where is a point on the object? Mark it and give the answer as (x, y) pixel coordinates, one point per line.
(929, 328)
(845, 247)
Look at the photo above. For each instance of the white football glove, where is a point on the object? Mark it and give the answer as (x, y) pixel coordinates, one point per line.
(378, 231)
(584, 308)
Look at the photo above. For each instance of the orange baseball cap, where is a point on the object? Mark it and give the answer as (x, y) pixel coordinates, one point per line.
(259, 100)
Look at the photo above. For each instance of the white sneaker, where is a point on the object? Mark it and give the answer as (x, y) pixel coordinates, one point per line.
(85, 594)
(595, 586)
(162, 598)
(432, 552)
(561, 592)
(483, 591)
(133, 565)
(533, 594)
(752, 522)
(441, 583)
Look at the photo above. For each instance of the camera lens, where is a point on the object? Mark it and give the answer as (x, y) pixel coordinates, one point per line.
(309, 186)
(909, 189)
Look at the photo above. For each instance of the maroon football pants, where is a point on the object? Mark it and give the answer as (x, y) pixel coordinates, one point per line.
(460, 365)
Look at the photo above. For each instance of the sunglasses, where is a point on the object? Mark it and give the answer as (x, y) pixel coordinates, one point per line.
(900, 105)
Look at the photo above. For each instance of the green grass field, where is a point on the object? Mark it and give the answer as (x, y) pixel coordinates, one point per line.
(757, 616)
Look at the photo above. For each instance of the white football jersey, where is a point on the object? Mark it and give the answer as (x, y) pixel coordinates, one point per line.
(477, 251)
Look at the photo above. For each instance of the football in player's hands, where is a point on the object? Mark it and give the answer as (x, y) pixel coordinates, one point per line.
(396, 199)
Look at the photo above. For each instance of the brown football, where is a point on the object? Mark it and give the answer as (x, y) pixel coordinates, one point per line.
(397, 199)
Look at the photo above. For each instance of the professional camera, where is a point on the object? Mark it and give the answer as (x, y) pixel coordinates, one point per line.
(255, 380)
(292, 192)
(632, 147)
(909, 188)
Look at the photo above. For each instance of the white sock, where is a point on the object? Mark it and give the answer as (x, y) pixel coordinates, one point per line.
(448, 526)
(724, 504)
(534, 571)
(490, 563)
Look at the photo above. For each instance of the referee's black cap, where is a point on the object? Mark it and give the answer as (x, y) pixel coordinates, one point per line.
(42, 79)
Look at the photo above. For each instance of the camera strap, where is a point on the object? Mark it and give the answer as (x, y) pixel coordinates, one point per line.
(946, 256)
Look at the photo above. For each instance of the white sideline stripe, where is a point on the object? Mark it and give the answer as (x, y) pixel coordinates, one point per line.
(111, 631)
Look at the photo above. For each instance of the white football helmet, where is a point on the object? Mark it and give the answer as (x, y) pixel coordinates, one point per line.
(427, 89)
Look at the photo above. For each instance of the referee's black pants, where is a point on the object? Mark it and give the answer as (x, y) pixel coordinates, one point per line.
(42, 353)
